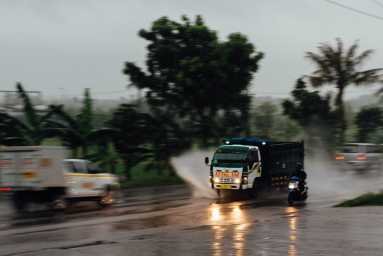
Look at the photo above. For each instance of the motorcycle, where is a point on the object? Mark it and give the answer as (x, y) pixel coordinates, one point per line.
(297, 192)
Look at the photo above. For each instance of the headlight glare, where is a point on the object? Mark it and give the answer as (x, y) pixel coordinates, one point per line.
(293, 185)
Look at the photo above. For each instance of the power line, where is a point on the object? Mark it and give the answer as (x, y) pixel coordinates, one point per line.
(355, 10)
(377, 3)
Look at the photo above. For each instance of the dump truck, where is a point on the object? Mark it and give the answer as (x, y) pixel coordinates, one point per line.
(43, 174)
(254, 165)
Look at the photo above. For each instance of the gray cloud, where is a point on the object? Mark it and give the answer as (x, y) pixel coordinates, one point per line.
(73, 44)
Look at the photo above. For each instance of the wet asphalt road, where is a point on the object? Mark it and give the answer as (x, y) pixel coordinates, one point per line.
(169, 221)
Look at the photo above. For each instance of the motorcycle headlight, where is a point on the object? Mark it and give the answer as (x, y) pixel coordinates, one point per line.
(293, 184)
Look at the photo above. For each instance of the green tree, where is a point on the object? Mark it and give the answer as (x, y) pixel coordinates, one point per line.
(132, 137)
(192, 75)
(311, 111)
(167, 139)
(78, 132)
(368, 121)
(341, 67)
(264, 119)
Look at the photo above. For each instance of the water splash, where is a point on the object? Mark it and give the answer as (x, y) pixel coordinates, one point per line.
(191, 167)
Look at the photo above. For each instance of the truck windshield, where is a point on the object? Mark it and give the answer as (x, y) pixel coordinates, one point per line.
(230, 155)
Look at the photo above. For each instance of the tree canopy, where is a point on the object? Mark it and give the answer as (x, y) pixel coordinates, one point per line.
(191, 74)
(368, 120)
(310, 110)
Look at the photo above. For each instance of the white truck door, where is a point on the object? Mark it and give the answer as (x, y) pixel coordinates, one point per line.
(80, 182)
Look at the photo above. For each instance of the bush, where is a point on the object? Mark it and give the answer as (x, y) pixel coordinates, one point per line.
(364, 200)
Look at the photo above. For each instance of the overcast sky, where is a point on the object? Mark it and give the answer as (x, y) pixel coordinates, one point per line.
(63, 46)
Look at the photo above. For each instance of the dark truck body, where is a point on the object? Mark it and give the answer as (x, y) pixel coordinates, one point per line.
(279, 160)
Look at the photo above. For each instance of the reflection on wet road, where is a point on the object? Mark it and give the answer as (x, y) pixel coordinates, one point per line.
(171, 222)
(292, 220)
(228, 221)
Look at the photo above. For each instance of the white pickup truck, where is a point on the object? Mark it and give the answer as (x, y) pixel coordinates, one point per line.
(43, 174)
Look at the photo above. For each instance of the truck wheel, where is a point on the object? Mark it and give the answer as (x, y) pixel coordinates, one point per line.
(252, 193)
(19, 202)
(218, 191)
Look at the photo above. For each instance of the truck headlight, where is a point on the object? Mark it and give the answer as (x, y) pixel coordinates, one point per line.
(293, 185)
(216, 180)
(237, 180)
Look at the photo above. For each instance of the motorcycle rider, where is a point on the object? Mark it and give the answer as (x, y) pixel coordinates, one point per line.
(301, 174)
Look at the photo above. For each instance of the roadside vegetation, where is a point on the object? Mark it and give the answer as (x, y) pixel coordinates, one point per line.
(197, 90)
(369, 199)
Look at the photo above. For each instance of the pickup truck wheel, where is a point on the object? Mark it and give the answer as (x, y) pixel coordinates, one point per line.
(59, 204)
(107, 198)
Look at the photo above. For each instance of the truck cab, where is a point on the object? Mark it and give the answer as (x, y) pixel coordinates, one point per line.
(235, 167)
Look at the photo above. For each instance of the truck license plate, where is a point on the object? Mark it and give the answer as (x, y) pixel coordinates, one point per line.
(226, 186)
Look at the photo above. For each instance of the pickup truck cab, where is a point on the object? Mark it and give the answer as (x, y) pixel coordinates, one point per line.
(86, 181)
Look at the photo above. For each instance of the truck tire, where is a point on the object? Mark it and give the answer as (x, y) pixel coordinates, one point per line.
(253, 193)
(19, 202)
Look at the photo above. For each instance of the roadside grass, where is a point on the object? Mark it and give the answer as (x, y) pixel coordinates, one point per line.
(140, 177)
(369, 199)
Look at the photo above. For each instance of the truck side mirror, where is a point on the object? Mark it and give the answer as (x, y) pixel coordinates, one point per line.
(207, 161)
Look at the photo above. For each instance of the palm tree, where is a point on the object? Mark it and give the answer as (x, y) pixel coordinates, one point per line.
(31, 130)
(78, 132)
(341, 67)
